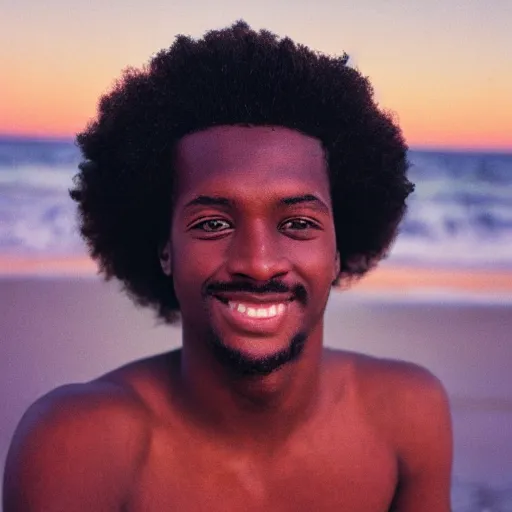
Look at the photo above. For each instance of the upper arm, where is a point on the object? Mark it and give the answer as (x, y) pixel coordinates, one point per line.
(75, 449)
(423, 437)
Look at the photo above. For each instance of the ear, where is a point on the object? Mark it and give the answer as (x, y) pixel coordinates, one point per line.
(164, 255)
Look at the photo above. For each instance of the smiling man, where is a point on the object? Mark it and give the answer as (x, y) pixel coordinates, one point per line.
(230, 184)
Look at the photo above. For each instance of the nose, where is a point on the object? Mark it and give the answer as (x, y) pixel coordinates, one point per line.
(257, 253)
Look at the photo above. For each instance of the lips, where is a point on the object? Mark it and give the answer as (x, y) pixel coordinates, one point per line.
(261, 314)
(258, 311)
(254, 298)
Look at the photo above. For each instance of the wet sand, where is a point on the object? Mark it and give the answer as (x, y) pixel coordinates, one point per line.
(384, 278)
(59, 330)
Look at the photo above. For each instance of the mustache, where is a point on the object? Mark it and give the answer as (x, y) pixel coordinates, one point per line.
(297, 290)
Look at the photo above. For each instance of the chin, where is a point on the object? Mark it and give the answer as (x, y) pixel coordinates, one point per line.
(257, 362)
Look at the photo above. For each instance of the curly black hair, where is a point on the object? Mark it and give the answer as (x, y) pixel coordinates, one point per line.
(233, 76)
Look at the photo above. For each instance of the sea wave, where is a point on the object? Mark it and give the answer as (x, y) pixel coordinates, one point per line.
(460, 213)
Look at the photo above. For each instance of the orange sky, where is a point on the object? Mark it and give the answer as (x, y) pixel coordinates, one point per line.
(443, 67)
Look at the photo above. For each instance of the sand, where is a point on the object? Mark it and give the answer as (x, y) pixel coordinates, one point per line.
(55, 331)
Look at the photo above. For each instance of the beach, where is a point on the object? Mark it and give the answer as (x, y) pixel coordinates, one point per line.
(63, 329)
(442, 297)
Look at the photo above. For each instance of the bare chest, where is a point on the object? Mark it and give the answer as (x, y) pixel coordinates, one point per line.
(349, 469)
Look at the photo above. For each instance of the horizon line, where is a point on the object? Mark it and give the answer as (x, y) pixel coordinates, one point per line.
(16, 137)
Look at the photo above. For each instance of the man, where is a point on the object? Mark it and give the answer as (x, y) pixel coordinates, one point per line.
(230, 184)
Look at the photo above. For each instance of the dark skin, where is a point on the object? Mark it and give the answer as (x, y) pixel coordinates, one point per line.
(187, 431)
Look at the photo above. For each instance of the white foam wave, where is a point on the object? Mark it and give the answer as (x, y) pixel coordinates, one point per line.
(39, 177)
(465, 249)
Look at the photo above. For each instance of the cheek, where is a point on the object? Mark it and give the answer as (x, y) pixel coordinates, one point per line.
(192, 264)
(318, 266)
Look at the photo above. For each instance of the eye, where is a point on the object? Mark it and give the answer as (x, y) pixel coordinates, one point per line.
(212, 225)
(298, 225)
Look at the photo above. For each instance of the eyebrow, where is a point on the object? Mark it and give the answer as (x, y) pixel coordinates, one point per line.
(203, 200)
(209, 201)
(306, 198)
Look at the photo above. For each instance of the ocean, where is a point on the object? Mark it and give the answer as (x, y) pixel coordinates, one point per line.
(459, 216)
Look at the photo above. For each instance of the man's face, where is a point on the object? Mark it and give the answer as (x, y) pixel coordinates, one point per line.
(252, 245)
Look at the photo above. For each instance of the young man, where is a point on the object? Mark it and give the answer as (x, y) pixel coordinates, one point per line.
(232, 182)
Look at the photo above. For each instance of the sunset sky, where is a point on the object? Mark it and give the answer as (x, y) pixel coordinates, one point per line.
(443, 66)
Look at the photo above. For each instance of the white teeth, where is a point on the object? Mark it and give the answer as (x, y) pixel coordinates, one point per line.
(274, 310)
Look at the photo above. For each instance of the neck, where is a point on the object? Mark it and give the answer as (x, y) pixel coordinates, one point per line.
(262, 410)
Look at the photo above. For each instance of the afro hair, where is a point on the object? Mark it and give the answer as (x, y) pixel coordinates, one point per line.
(233, 76)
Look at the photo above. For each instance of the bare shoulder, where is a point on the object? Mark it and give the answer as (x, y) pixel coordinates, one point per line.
(409, 406)
(390, 384)
(395, 378)
(76, 448)
(399, 393)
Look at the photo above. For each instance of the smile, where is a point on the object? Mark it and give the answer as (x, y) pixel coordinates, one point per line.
(257, 311)
(253, 315)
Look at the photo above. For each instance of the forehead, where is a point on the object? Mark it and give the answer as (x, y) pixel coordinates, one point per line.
(263, 159)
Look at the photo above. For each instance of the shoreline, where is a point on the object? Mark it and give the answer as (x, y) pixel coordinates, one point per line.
(386, 278)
